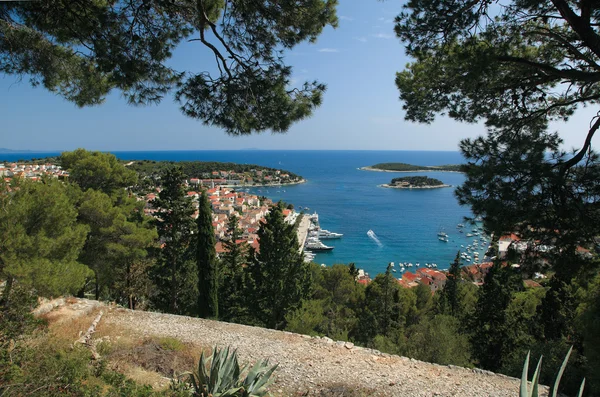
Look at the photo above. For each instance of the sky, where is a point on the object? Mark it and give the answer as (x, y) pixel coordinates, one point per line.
(361, 108)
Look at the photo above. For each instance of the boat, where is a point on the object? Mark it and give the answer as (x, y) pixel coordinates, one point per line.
(442, 234)
(469, 234)
(316, 245)
(460, 225)
(326, 234)
(444, 239)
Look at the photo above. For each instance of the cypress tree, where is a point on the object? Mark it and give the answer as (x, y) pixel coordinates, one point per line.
(206, 262)
(280, 278)
(231, 305)
(492, 338)
(449, 299)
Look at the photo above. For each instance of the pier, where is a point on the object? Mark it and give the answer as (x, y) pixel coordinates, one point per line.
(303, 231)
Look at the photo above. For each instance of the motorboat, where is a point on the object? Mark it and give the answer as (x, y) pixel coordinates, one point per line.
(316, 245)
(326, 234)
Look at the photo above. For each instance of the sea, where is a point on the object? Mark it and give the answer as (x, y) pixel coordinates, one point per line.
(405, 222)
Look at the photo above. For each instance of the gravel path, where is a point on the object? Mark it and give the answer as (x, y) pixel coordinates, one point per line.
(317, 366)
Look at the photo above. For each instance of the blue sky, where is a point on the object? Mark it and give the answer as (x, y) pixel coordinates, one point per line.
(361, 109)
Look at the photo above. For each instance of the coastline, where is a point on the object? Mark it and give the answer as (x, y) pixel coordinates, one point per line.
(267, 185)
(413, 187)
(369, 168)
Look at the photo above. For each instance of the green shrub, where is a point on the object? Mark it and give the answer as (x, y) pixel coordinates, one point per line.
(172, 344)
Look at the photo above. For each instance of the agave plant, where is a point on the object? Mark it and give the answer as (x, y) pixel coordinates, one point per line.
(523, 390)
(220, 375)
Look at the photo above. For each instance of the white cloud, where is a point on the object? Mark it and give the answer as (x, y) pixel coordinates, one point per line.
(381, 19)
(328, 50)
(345, 18)
(383, 35)
(361, 39)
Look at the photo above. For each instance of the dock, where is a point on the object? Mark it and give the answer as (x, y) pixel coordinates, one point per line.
(303, 231)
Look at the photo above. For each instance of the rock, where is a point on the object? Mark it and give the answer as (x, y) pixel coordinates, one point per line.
(349, 345)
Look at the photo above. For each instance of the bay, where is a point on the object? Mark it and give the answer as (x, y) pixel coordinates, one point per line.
(349, 201)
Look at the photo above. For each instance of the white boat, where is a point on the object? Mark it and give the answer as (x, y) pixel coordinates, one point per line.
(326, 234)
(444, 239)
(316, 245)
(442, 234)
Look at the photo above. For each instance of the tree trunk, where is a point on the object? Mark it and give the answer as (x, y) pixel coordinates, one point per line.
(97, 287)
(174, 286)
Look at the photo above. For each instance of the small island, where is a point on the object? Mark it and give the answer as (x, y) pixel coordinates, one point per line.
(403, 167)
(415, 182)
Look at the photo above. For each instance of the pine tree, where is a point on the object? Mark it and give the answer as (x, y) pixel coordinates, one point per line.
(280, 278)
(206, 261)
(174, 276)
(231, 305)
(40, 239)
(382, 313)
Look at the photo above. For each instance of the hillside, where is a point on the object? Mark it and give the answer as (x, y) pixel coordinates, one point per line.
(317, 366)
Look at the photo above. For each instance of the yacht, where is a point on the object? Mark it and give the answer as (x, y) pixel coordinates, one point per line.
(326, 234)
(444, 239)
(442, 234)
(316, 245)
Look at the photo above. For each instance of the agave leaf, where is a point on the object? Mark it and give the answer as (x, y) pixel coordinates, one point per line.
(253, 373)
(581, 388)
(536, 379)
(560, 373)
(263, 381)
(201, 374)
(523, 392)
(213, 379)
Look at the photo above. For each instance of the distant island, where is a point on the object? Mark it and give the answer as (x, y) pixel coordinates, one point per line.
(217, 173)
(5, 150)
(415, 182)
(403, 167)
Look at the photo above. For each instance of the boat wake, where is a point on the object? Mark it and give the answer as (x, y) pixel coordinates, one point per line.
(374, 237)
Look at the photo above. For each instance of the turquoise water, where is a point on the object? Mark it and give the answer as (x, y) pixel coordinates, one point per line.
(348, 201)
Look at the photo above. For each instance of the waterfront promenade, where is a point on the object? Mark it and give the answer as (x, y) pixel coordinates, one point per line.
(303, 230)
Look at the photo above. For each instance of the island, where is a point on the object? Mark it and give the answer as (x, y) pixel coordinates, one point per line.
(415, 182)
(212, 173)
(403, 167)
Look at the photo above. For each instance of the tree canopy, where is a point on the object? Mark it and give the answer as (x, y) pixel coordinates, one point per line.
(517, 66)
(84, 50)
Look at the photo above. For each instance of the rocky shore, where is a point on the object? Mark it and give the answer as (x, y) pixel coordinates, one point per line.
(412, 187)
